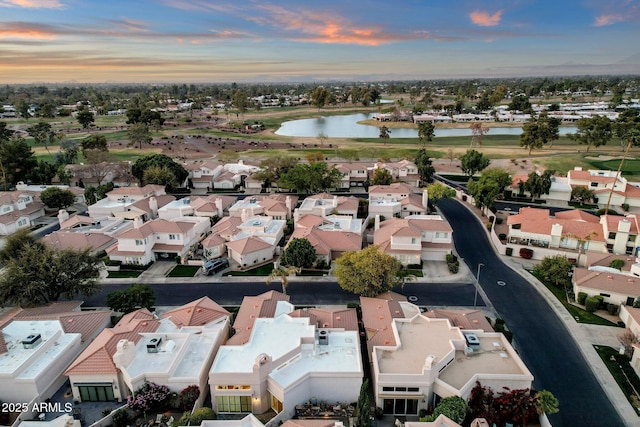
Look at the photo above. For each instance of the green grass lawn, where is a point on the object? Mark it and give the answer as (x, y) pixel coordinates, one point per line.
(410, 272)
(631, 166)
(583, 316)
(622, 372)
(263, 270)
(124, 274)
(184, 271)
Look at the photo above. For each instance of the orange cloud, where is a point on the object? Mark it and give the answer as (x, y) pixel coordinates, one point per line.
(484, 19)
(19, 30)
(32, 4)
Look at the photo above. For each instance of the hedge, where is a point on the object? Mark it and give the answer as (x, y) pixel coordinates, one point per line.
(581, 297)
(591, 304)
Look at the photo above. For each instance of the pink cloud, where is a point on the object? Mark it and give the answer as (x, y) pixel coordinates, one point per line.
(21, 30)
(32, 4)
(484, 19)
(603, 20)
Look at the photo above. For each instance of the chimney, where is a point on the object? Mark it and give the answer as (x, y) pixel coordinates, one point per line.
(624, 226)
(63, 215)
(125, 353)
(425, 199)
(244, 214)
(137, 222)
(376, 223)
(219, 208)
(556, 230)
(288, 204)
(153, 205)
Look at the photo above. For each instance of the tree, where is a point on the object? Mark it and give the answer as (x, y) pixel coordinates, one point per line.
(139, 134)
(39, 275)
(311, 178)
(22, 108)
(42, 133)
(451, 155)
(537, 184)
(299, 253)
(314, 156)
(627, 126)
(545, 402)
(320, 96)
(582, 194)
(453, 407)
(385, 133)
(627, 339)
(322, 137)
(282, 272)
(364, 406)
(473, 161)
(537, 132)
(160, 160)
(16, 243)
(594, 131)
(16, 159)
(57, 198)
(272, 168)
(136, 296)
(151, 397)
(160, 175)
(85, 118)
(68, 153)
(484, 192)
(64, 175)
(240, 101)
(555, 270)
(42, 172)
(367, 272)
(5, 132)
(94, 142)
(426, 131)
(520, 103)
(439, 191)
(477, 133)
(381, 176)
(188, 397)
(425, 166)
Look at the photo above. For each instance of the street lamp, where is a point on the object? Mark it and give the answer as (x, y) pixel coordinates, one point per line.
(475, 298)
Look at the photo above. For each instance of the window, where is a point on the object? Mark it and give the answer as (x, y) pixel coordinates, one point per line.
(234, 403)
(632, 238)
(594, 184)
(413, 240)
(233, 387)
(612, 235)
(138, 242)
(22, 222)
(604, 295)
(6, 208)
(276, 405)
(172, 237)
(441, 235)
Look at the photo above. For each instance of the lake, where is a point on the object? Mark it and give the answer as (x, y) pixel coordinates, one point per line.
(347, 127)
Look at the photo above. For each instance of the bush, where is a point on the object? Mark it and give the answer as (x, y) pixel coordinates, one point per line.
(617, 264)
(636, 303)
(454, 267)
(488, 225)
(526, 253)
(625, 206)
(451, 258)
(120, 418)
(499, 220)
(201, 414)
(379, 413)
(582, 296)
(600, 299)
(183, 420)
(188, 397)
(499, 321)
(502, 236)
(509, 251)
(591, 304)
(612, 309)
(422, 413)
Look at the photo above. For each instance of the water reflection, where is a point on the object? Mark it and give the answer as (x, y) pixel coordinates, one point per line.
(347, 127)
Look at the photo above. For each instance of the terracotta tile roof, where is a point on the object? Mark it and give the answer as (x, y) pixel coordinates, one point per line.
(464, 319)
(50, 309)
(586, 176)
(85, 323)
(395, 188)
(309, 221)
(538, 221)
(325, 318)
(322, 196)
(157, 226)
(528, 214)
(71, 240)
(225, 176)
(136, 191)
(613, 221)
(517, 179)
(97, 358)
(350, 203)
(14, 215)
(325, 242)
(414, 200)
(608, 282)
(143, 204)
(578, 215)
(196, 313)
(412, 227)
(252, 307)
(213, 240)
(227, 226)
(604, 259)
(248, 245)
(377, 316)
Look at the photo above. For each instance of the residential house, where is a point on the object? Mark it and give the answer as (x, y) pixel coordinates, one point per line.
(415, 238)
(175, 350)
(87, 175)
(615, 288)
(65, 239)
(324, 204)
(331, 236)
(38, 344)
(278, 206)
(411, 374)
(214, 245)
(37, 189)
(285, 362)
(396, 200)
(463, 319)
(353, 174)
(560, 190)
(569, 232)
(234, 175)
(404, 170)
(253, 307)
(18, 209)
(201, 175)
(158, 239)
(255, 240)
(621, 233)
(119, 201)
(211, 206)
(611, 190)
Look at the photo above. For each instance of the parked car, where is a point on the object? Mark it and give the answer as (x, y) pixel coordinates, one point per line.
(215, 265)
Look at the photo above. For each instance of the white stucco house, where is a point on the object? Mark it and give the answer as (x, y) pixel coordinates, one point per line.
(396, 200)
(18, 209)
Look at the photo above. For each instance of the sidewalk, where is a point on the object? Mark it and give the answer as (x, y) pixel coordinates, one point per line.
(585, 335)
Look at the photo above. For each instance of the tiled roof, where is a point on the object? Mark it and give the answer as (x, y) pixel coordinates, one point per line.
(377, 316)
(613, 221)
(227, 226)
(62, 239)
(252, 307)
(14, 215)
(586, 176)
(325, 318)
(248, 245)
(395, 188)
(414, 200)
(464, 319)
(136, 191)
(408, 227)
(634, 313)
(85, 323)
(538, 221)
(143, 204)
(97, 358)
(212, 240)
(158, 226)
(196, 313)
(577, 215)
(603, 281)
(50, 309)
(325, 241)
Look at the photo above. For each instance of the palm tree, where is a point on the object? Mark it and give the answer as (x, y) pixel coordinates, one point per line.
(545, 402)
(282, 272)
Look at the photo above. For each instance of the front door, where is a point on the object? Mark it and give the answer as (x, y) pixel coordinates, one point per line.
(96, 393)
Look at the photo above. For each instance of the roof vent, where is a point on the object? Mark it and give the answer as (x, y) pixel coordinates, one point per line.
(323, 338)
(32, 341)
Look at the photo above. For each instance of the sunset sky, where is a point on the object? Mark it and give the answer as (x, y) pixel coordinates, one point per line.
(307, 40)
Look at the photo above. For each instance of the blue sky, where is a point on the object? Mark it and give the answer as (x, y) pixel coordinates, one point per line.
(307, 40)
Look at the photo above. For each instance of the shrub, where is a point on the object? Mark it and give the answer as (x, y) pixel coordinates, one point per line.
(499, 321)
(120, 418)
(183, 420)
(451, 258)
(509, 251)
(600, 299)
(422, 413)
(591, 304)
(499, 220)
(201, 414)
(454, 267)
(617, 264)
(625, 206)
(188, 397)
(636, 303)
(612, 309)
(488, 225)
(526, 253)
(502, 236)
(150, 397)
(379, 413)
(581, 297)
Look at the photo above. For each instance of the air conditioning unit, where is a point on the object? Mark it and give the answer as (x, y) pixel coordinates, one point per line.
(153, 346)
(32, 341)
(323, 337)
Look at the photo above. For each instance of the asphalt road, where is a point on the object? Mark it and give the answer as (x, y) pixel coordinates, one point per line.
(301, 293)
(544, 343)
